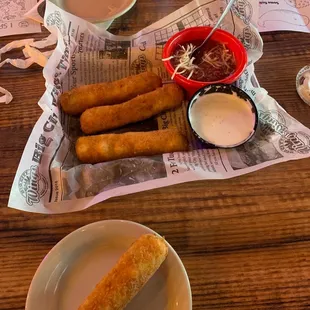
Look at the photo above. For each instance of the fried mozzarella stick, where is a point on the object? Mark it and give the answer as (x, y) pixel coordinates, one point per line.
(138, 109)
(79, 99)
(135, 267)
(106, 147)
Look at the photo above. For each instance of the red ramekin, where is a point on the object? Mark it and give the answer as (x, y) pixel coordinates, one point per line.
(200, 33)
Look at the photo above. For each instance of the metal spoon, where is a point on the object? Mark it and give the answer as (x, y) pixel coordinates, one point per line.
(227, 9)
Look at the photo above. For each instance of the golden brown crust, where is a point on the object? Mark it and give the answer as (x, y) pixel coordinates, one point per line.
(135, 267)
(138, 109)
(79, 99)
(106, 147)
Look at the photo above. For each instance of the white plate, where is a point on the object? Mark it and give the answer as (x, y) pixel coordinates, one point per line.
(76, 264)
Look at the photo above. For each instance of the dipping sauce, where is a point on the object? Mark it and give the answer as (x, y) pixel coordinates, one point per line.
(94, 10)
(303, 84)
(213, 62)
(224, 120)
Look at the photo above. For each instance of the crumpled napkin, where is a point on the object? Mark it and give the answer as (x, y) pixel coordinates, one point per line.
(37, 12)
(32, 55)
(7, 97)
(31, 52)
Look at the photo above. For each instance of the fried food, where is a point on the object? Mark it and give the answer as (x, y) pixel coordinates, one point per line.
(79, 99)
(135, 267)
(138, 109)
(106, 147)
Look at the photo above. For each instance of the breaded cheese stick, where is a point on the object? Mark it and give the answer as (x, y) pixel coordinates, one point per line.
(79, 99)
(135, 267)
(106, 147)
(138, 109)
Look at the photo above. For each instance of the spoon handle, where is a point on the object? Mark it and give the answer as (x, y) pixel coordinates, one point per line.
(227, 9)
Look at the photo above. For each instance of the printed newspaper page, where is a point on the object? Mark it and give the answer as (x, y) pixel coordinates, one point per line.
(12, 20)
(284, 15)
(50, 179)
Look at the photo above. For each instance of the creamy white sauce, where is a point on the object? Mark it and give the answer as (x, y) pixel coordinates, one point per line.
(96, 10)
(222, 119)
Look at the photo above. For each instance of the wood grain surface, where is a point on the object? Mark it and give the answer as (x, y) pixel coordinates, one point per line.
(245, 242)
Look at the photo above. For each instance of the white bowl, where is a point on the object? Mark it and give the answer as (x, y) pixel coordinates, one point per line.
(103, 23)
(76, 264)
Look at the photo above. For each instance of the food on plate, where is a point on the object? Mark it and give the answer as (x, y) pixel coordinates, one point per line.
(303, 84)
(214, 61)
(138, 109)
(134, 268)
(79, 99)
(106, 147)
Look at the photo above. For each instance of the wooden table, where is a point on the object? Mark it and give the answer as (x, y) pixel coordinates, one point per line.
(245, 242)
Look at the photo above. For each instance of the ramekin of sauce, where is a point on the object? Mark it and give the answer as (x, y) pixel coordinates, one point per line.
(222, 116)
(221, 60)
(99, 12)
